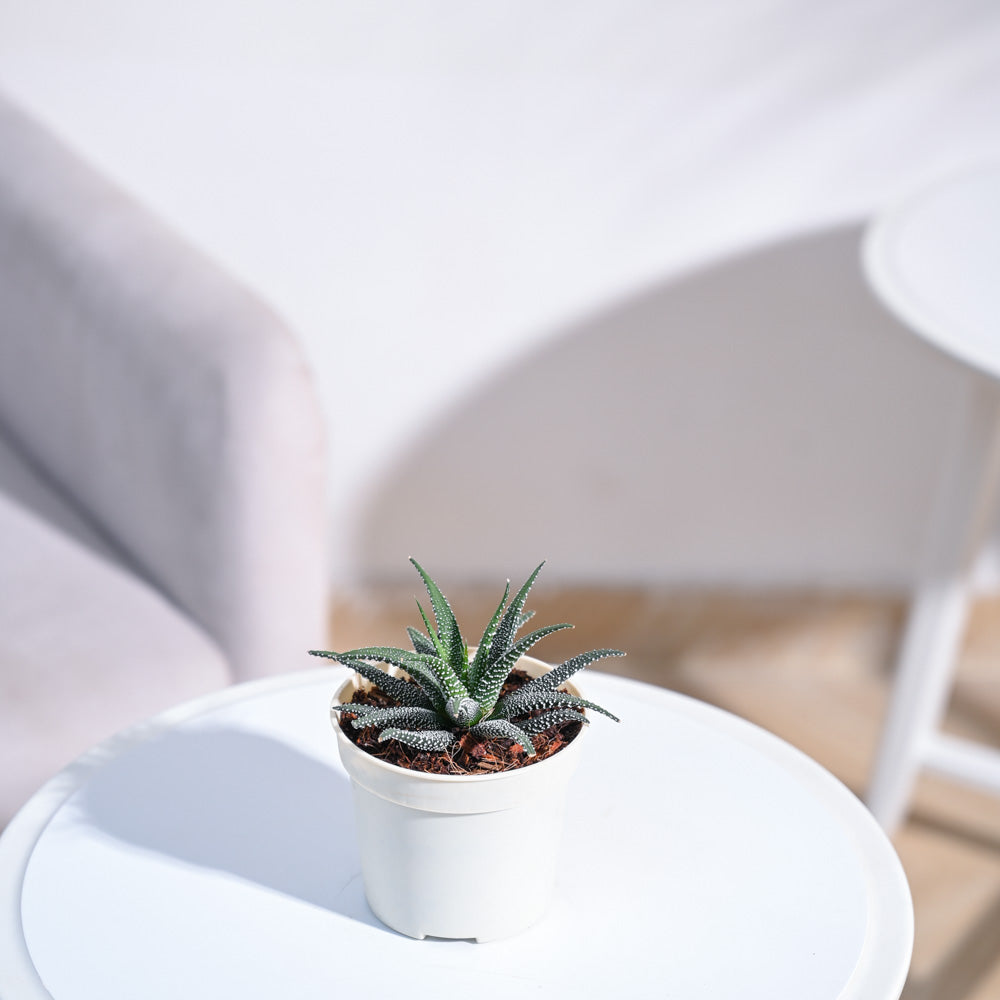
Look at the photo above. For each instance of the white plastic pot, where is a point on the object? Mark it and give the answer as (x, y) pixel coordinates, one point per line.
(450, 855)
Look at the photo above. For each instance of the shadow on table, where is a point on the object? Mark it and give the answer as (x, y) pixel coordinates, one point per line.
(239, 803)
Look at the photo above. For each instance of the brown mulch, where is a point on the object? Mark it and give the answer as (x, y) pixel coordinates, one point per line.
(471, 754)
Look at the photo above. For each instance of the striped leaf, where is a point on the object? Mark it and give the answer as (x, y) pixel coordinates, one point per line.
(403, 715)
(446, 678)
(483, 652)
(438, 645)
(358, 708)
(520, 703)
(452, 647)
(557, 675)
(489, 685)
(394, 687)
(509, 623)
(539, 723)
(417, 665)
(506, 729)
(422, 739)
(410, 662)
(421, 644)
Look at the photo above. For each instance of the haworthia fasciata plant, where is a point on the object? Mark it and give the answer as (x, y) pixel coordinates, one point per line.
(447, 695)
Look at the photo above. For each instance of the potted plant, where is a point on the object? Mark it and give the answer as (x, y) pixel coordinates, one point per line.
(459, 759)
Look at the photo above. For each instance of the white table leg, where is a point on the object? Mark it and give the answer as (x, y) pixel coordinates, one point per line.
(938, 613)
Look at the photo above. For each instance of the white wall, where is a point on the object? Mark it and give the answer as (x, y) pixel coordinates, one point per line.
(578, 279)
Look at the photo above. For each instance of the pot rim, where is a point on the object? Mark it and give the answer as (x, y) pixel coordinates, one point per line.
(539, 665)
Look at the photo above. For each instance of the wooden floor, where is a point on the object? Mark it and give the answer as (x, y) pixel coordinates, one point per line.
(815, 670)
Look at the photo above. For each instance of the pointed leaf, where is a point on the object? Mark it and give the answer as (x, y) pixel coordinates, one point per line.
(447, 628)
(394, 687)
(421, 644)
(423, 739)
(539, 723)
(439, 647)
(557, 675)
(414, 663)
(446, 678)
(508, 624)
(404, 715)
(358, 708)
(429, 684)
(488, 688)
(383, 654)
(483, 652)
(505, 729)
(519, 703)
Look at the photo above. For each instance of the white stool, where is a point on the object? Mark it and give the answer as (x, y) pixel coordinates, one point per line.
(934, 261)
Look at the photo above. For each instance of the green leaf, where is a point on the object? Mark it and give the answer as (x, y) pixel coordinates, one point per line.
(453, 651)
(506, 729)
(439, 648)
(421, 644)
(424, 739)
(509, 623)
(448, 680)
(539, 723)
(483, 652)
(442, 672)
(403, 715)
(558, 675)
(356, 708)
(415, 664)
(488, 688)
(520, 703)
(384, 654)
(394, 687)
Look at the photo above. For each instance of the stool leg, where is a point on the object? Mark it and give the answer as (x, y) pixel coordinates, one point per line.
(939, 610)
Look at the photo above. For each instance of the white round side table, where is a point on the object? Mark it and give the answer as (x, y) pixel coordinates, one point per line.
(934, 261)
(210, 853)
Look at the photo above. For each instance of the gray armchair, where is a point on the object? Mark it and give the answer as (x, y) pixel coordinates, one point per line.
(162, 469)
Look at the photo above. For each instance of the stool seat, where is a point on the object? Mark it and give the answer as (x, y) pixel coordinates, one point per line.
(934, 260)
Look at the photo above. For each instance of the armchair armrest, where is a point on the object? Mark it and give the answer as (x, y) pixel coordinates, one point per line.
(166, 400)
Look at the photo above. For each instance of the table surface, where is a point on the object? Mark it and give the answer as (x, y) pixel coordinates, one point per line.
(934, 260)
(210, 852)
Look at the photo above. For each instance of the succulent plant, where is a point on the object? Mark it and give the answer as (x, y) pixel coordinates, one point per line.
(454, 693)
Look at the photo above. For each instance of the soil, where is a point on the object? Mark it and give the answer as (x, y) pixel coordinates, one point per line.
(471, 754)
